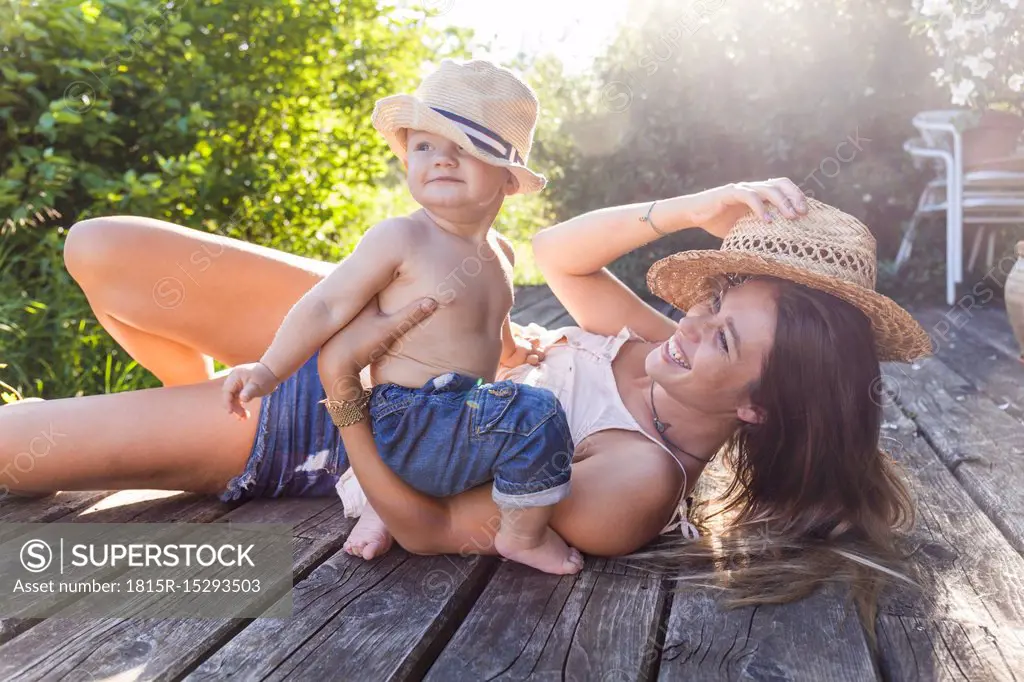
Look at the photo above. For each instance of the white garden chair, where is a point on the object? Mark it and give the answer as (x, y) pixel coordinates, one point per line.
(982, 197)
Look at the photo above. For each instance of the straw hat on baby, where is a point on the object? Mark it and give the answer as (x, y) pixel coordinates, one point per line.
(825, 249)
(479, 105)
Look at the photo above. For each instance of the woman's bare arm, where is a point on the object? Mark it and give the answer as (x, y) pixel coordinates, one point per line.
(573, 255)
(614, 508)
(420, 523)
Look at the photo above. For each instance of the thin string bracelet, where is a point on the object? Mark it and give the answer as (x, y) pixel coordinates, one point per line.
(647, 219)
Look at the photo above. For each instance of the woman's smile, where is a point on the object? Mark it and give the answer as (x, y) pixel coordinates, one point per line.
(672, 352)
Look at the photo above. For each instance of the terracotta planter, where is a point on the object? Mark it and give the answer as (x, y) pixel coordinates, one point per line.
(1013, 295)
(994, 137)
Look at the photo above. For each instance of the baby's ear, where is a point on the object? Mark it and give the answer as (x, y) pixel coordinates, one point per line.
(511, 184)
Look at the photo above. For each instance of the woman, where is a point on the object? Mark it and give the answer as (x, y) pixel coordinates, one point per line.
(781, 372)
(781, 369)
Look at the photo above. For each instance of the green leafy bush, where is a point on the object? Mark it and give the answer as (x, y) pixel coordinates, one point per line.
(249, 118)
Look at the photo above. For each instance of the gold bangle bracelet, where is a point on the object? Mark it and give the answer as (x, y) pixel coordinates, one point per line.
(348, 412)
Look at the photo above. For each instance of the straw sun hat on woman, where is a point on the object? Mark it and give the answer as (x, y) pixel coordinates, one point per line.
(825, 249)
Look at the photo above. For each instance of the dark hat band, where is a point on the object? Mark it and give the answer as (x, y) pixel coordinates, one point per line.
(483, 137)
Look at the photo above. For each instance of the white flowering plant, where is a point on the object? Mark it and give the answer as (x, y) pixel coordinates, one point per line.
(982, 45)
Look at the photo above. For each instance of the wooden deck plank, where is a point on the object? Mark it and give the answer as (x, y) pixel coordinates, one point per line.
(980, 443)
(543, 312)
(527, 296)
(563, 320)
(598, 625)
(46, 509)
(816, 638)
(923, 650)
(129, 506)
(353, 619)
(990, 325)
(967, 351)
(66, 644)
(391, 618)
(668, 310)
(966, 620)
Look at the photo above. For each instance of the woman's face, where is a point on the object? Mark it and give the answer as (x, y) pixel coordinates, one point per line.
(718, 350)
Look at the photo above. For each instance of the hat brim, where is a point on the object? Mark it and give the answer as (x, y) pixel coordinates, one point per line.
(393, 116)
(682, 279)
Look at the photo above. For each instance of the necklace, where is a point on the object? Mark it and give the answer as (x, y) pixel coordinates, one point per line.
(662, 427)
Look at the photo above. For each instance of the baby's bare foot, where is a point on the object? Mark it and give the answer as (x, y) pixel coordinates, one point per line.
(370, 537)
(549, 553)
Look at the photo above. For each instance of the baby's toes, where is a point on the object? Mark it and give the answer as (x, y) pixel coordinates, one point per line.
(574, 562)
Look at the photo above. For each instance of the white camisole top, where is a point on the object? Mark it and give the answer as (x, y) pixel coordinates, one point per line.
(579, 372)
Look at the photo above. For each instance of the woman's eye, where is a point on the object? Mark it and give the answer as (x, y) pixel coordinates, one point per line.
(716, 306)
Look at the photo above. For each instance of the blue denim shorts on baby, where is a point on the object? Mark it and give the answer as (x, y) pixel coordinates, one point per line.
(452, 434)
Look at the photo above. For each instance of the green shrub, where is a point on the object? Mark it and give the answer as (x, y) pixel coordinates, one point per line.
(249, 118)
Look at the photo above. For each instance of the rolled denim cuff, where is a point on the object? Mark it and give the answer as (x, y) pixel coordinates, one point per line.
(353, 499)
(540, 498)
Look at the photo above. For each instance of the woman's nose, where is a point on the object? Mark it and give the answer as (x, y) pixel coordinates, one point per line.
(692, 327)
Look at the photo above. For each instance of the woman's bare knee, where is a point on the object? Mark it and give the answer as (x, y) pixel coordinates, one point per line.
(89, 245)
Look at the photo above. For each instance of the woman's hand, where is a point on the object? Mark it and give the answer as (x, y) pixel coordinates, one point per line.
(717, 210)
(365, 339)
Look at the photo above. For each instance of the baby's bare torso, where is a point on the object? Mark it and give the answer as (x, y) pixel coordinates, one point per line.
(472, 283)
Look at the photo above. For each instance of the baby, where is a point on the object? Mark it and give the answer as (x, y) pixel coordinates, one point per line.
(439, 420)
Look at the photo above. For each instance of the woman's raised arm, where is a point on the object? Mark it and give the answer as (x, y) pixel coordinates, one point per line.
(573, 255)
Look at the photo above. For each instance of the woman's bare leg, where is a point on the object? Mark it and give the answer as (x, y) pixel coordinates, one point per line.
(174, 297)
(177, 438)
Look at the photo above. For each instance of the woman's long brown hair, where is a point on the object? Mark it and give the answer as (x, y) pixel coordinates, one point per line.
(811, 499)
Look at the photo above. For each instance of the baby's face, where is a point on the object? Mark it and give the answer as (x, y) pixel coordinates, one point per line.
(443, 176)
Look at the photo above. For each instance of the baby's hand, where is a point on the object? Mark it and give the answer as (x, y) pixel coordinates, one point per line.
(526, 351)
(245, 382)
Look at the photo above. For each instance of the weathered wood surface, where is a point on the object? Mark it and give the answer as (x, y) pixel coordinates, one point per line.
(527, 296)
(129, 506)
(544, 312)
(988, 324)
(356, 620)
(66, 644)
(599, 625)
(816, 638)
(976, 355)
(450, 618)
(965, 620)
(980, 443)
